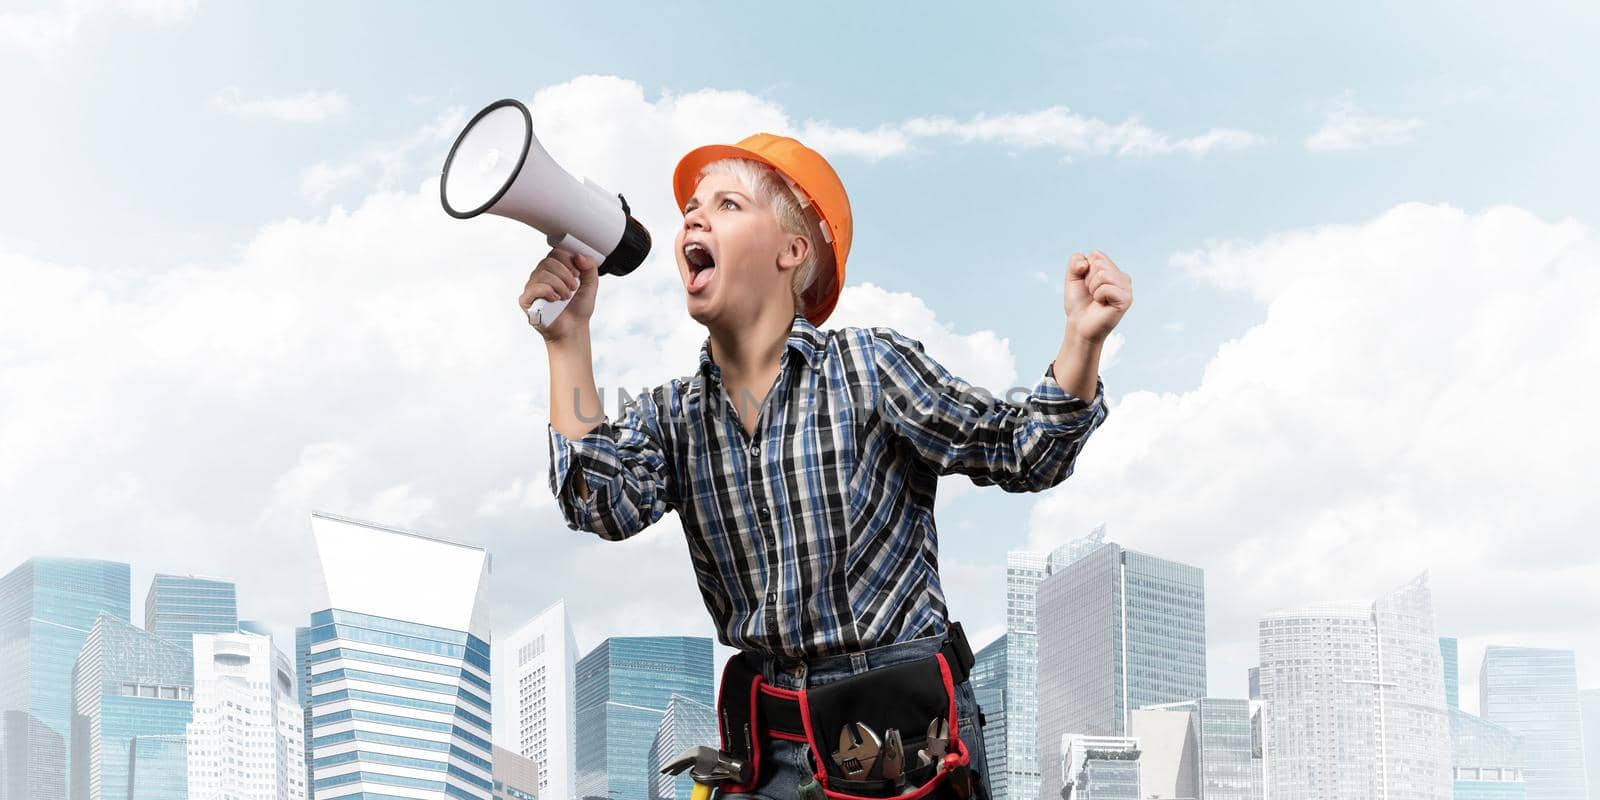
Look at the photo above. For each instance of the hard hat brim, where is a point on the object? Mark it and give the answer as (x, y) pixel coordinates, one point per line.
(684, 180)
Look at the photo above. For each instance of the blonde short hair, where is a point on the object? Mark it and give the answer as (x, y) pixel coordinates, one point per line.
(772, 190)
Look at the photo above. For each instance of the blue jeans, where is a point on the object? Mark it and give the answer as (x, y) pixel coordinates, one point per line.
(785, 764)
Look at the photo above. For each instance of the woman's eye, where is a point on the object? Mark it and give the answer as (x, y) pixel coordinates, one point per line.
(728, 203)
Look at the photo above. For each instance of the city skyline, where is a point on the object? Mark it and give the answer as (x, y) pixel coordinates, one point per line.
(1482, 762)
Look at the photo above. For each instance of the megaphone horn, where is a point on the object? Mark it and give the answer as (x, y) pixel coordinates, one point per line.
(497, 166)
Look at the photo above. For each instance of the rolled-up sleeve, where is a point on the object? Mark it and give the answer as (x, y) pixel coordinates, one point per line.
(956, 428)
(625, 466)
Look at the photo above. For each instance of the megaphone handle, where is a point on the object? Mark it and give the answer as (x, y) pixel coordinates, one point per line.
(543, 312)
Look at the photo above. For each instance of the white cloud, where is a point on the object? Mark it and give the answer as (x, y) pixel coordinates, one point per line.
(872, 145)
(371, 362)
(303, 107)
(43, 32)
(1075, 135)
(584, 136)
(1415, 397)
(385, 165)
(1346, 127)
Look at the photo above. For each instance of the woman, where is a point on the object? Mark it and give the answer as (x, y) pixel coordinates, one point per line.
(802, 462)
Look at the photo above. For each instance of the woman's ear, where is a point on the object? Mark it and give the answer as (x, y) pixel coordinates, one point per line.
(794, 252)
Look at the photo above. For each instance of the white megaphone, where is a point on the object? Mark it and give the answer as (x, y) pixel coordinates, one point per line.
(497, 166)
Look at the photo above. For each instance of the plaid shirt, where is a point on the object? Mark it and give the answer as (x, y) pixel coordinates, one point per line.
(816, 535)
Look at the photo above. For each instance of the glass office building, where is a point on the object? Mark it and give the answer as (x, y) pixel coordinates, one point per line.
(47, 606)
(31, 756)
(1450, 651)
(1533, 692)
(516, 777)
(1487, 760)
(623, 689)
(399, 666)
(158, 768)
(302, 673)
(1099, 768)
(1202, 749)
(1024, 570)
(1117, 630)
(179, 606)
(1353, 701)
(989, 687)
(126, 683)
(1589, 700)
(686, 724)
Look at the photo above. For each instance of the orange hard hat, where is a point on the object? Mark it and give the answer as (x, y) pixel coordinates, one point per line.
(814, 181)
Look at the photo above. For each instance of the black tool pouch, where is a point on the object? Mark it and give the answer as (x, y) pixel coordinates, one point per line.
(905, 697)
(738, 719)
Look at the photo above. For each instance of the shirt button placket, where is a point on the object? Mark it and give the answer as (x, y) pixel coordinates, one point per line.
(764, 522)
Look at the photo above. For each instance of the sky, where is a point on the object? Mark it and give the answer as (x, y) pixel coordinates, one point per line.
(1361, 236)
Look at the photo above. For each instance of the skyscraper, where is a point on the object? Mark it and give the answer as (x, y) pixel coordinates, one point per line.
(535, 698)
(400, 664)
(247, 740)
(1450, 651)
(1353, 701)
(31, 755)
(47, 606)
(1024, 570)
(1099, 768)
(1199, 749)
(126, 683)
(1118, 630)
(1589, 700)
(158, 767)
(685, 724)
(302, 672)
(1534, 693)
(179, 606)
(989, 687)
(1487, 761)
(623, 689)
(515, 777)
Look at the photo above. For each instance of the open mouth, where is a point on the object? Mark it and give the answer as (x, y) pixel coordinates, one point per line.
(702, 265)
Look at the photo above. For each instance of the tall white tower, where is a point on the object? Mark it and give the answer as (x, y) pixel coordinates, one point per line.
(399, 666)
(247, 740)
(535, 698)
(1353, 701)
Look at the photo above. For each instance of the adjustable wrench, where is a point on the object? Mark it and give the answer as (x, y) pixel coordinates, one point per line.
(858, 750)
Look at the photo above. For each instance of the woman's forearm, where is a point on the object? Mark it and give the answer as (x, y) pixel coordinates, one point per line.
(575, 407)
(1077, 365)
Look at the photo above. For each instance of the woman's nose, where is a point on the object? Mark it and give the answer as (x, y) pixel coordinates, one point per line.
(695, 220)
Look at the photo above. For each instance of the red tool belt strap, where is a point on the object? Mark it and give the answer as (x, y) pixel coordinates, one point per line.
(905, 696)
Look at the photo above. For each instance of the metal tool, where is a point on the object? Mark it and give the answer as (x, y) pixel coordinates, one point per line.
(892, 759)
(938, 740)
(709, 768)
(858, 750)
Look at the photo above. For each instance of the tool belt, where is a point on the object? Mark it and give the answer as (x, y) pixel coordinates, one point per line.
(914, 698)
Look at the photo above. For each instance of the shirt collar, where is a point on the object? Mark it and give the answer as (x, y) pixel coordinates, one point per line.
(805, 340)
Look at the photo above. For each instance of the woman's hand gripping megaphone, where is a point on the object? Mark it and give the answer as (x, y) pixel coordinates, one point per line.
(559, 295)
